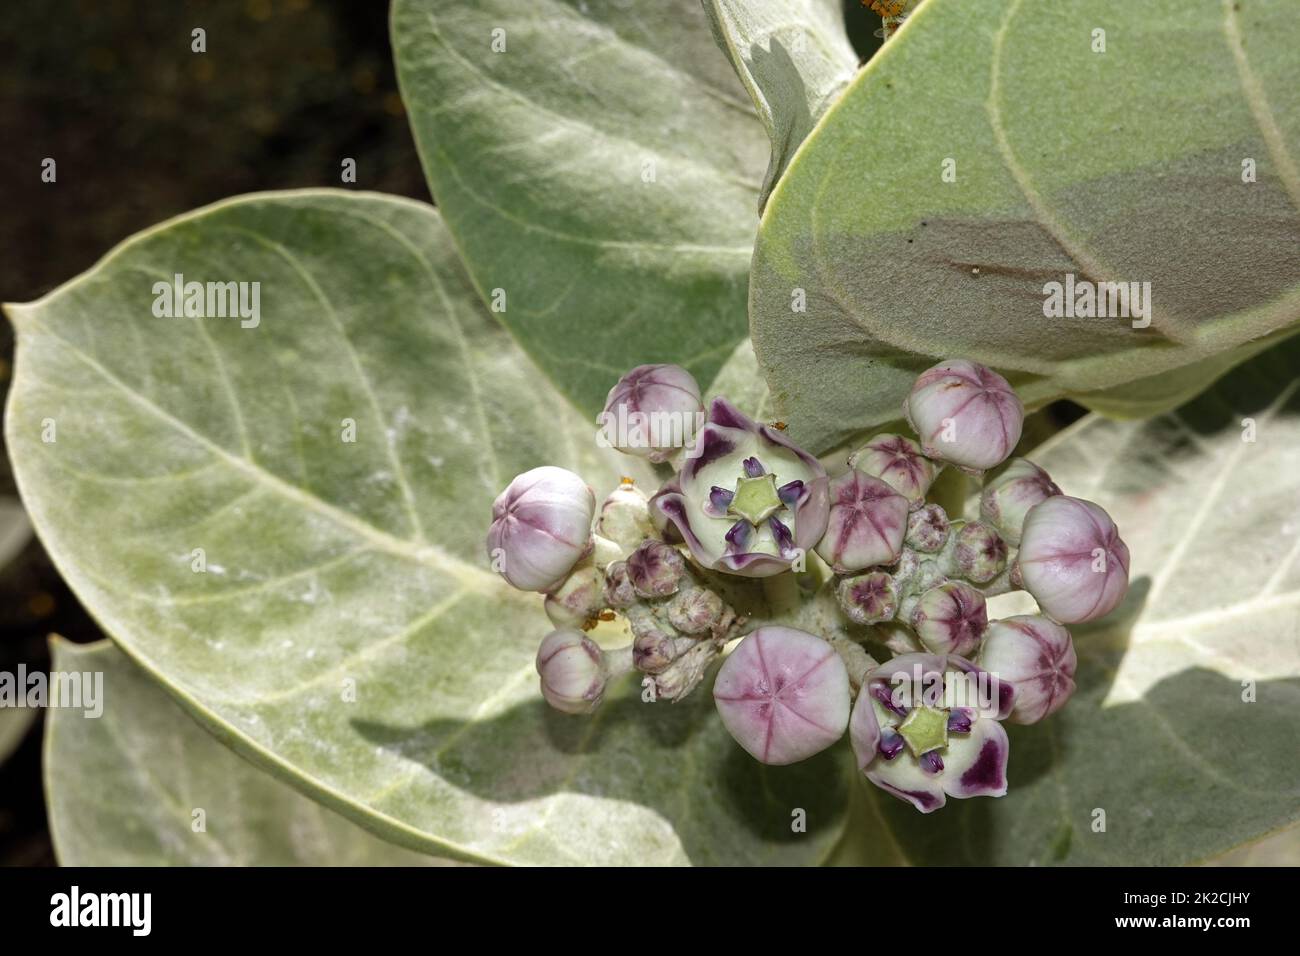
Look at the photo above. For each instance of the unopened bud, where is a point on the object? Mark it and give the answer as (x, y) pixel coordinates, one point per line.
(625, 517)
(868, 519)
(695, 610)
(571, 666)
(580, 598)
(979, 552)
(1037, 656)
(950, 618)
(1072, 559)
(619, 592)
(965, 413)
(656, 569)
(868, 598)
(898, 462)
(541, 527)
(1008, 497)
(927, 529)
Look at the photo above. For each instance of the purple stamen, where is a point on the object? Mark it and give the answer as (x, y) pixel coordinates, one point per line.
(789, 493)
(960, 719)
(754, 468)
(784, 539)
(891, 744)
(883, 696)
(719, 501)
(931, 762)
(738, 536)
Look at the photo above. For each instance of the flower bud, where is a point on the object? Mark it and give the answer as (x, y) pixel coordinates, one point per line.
(950, 618)
(1035, 655)
(580, 598)
(619, 592)
(684, 674)
(696, 611)
(898, 462)
(783, 694)
(868, 598)
(572, 670)
(927, 529)
(656, 569)
(1072, 559)
(979, 552)
(653, 645)
(625, 517)
(965, 413)
(653, 412)
(541, 527)
(1007, 498)
(868, 519)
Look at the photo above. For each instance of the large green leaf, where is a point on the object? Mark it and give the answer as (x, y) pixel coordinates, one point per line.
(1158, 734)
(123, 789)
(1122, 166)
(602, 170)
(794, 59)
(330, 562)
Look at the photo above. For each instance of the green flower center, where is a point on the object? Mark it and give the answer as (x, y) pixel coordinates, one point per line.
(755, 499)
(925, 729)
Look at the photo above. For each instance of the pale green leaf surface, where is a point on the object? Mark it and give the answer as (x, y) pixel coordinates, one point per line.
(793, 57)
(1158, 734)
(602, 172)
(331, 562)
(1117, 166)
(122, 789)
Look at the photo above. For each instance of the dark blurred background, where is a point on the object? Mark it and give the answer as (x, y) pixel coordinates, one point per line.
(142, 129)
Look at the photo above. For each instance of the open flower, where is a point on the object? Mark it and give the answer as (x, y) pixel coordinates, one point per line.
(926, 727)
(747, 501)
(1072, 559)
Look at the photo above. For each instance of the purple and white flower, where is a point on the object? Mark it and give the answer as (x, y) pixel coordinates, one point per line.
(747, 501)
(920, 735)
(1072, 559)
(783, 694)
(965, 413)
(868, 520)
(541, 527)
(1037, 656)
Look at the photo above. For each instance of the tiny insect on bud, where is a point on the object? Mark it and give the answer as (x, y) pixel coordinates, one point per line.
(927, 529)
(868, 519)
(656, 569)
(783, 694)
(1008, 497)
(652, 412)
(965, 413)
(625, 517)
(868, 598)
(541, 527)
(1072, 559)
(899, 463)
(572, 671)
(1037, 657)
(579, 598)
(950, 618)
(979, 552)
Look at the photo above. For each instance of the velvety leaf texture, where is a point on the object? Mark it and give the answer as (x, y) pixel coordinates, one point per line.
(599, 167)
(123, 788)
(1181, 730)
(991, 148)
(347, 634)
(794, 59)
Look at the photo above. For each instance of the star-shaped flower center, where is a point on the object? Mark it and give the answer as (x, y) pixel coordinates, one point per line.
(755, 499)
(925, 729)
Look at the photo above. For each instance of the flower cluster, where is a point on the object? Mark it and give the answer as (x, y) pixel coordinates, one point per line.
(820, 576)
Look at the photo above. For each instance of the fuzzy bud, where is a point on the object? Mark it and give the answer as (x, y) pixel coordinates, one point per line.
(868, 598)
(572, 671)
(1035, 655)
(653, 412)
(580, 598)
(899, 463)
(868, 519)
(927, 529)
(965, 413)
(1007, 498)
(619, 592)
(950, 618)
(625, 517)
(979, 552)
(541, 527)
(783, 694)
(653, 645)
(656, 569)
(696, 611)
(1072, 559)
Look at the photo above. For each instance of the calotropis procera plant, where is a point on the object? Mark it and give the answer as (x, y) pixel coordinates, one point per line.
(750, 540)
